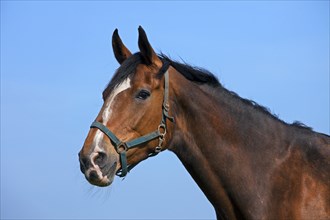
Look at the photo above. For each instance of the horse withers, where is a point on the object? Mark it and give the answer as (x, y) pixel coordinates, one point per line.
(248, 163)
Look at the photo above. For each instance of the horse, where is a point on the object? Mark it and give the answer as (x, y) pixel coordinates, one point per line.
(248, 162)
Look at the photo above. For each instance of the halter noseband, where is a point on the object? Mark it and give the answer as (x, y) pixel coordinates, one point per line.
(123, 147)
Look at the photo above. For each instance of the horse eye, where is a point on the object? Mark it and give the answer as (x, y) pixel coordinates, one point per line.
(143, 94)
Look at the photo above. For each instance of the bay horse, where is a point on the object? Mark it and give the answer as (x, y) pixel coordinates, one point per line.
(248, 163)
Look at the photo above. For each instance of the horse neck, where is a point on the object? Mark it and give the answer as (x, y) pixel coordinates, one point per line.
(216, 139)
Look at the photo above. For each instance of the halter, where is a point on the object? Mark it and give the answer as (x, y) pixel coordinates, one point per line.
(122, 147)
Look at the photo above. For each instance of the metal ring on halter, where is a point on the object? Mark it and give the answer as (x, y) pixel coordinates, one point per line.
(162, 130)
(121, 147)
(162, 133)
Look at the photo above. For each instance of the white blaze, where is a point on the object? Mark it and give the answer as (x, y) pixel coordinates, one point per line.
(106, 114)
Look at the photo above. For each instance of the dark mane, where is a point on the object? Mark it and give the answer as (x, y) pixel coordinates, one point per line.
(192, 73)
(201, 76)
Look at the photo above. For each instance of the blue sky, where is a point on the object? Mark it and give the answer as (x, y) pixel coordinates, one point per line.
(56, 58)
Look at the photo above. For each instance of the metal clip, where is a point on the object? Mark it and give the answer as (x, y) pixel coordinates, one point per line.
(158, 149)
(160, 143)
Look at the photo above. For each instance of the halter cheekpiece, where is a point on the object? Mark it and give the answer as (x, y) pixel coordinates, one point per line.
(123, 147)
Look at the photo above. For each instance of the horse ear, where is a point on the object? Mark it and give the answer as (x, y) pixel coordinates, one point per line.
(119, 49)
(149, 55)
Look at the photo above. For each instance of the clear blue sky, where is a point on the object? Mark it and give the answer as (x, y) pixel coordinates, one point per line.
(56, 58)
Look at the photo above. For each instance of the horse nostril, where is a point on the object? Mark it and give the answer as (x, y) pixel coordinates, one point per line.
(84, 164)
(100, 159)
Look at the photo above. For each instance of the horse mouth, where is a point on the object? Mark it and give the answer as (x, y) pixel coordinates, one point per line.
(101, 177)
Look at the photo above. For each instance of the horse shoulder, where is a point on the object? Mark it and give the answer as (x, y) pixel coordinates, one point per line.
(301, 182)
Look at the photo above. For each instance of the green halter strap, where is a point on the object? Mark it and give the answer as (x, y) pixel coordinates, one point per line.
(123, 147)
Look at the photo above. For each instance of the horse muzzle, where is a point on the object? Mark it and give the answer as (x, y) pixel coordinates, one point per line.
(98, 168)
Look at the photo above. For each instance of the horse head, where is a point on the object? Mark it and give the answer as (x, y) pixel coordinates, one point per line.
(131, 124)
